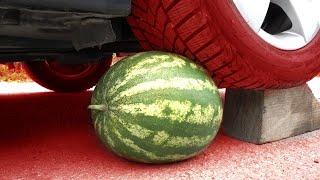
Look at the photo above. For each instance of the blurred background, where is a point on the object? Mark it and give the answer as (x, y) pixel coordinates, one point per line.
(13, 72)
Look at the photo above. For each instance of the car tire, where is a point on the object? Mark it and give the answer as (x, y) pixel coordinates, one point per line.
(66, 78)
(214, 34)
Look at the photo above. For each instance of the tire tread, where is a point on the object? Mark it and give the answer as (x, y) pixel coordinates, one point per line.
(181, 27)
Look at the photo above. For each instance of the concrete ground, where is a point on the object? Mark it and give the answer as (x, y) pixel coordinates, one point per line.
(46, 135)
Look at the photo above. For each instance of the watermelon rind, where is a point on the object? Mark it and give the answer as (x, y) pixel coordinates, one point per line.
(156, 107)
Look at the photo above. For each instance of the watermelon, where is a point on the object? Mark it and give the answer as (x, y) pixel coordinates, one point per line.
(156, 107)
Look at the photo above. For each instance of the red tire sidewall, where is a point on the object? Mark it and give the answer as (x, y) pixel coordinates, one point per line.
(287, 65)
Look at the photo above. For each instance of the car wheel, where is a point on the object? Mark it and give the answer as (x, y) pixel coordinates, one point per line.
(66, 77)
(242, 43)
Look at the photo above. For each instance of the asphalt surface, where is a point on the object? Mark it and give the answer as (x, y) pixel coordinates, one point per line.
(46, 135)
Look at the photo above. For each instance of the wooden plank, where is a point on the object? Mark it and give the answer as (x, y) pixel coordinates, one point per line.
(265, 116)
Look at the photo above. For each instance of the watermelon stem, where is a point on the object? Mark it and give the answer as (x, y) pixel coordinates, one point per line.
(101, 107)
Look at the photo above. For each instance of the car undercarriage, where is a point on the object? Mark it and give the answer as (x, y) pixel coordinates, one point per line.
(69, 31)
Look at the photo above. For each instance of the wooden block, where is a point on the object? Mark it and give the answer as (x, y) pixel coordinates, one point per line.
(265, 116)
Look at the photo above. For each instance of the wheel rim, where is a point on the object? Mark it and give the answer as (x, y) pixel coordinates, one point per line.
(65, 71)
(285, 24)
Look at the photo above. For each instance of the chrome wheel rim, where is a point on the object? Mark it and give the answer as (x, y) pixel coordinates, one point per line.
(285, 24)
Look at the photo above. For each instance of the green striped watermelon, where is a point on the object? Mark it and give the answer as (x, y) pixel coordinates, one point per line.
(156, 107)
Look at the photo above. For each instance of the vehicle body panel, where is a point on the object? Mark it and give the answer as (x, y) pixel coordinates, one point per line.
(119, 8)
